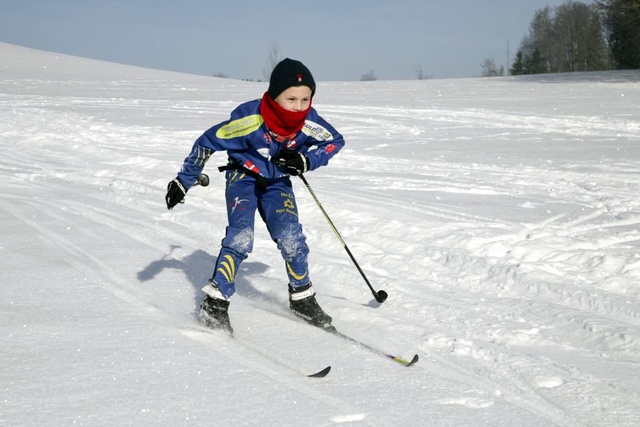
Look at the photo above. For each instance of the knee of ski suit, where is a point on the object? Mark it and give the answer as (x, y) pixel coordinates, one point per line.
(239, 241)
(294, 250)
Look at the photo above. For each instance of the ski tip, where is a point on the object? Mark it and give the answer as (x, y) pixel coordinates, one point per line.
(321, 374)
(405, 362)
(413, 361)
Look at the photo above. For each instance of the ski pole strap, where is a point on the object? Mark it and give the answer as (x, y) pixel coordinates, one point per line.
(261, 181)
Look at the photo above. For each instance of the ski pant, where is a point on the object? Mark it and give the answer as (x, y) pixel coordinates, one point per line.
(277, 207)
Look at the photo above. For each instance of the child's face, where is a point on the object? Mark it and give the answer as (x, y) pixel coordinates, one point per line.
(295, 98)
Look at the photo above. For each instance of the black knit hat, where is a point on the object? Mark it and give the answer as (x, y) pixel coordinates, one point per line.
(289, 73)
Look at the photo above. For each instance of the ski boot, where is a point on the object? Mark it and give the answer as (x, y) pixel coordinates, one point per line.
(303, 304)
(214, 310)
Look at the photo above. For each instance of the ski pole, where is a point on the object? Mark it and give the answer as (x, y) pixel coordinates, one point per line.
(381, 295)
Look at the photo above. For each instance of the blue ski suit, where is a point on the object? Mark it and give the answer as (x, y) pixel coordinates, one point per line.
(253, 183)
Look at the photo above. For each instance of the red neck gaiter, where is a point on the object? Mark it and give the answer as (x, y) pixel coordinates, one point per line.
(282, 122)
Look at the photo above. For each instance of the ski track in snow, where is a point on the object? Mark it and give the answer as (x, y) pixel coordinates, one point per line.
(505, 230)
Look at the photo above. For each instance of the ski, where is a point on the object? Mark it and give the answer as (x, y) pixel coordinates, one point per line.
(374, 350)
(320, 374)
(205, 332)
(332, 330)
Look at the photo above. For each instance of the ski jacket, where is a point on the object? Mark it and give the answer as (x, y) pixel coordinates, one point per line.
(249, 144)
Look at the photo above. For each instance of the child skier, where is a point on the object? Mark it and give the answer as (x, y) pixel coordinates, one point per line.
(266, 140)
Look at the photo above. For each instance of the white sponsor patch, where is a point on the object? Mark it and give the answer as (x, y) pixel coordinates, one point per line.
(316, 131)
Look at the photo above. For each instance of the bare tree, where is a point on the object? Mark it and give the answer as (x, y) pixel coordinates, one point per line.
(368, 76)
(508, 52)
(272, 60)
(490, 69)
(563, 39)
(580, 42)
(420, 73)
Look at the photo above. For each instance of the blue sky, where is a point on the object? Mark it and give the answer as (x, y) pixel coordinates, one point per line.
(337, 39)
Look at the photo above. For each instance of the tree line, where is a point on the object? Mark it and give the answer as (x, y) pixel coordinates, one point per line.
(576, 36)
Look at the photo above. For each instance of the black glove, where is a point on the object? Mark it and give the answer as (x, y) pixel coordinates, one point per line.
(296, 163)
(175, 193)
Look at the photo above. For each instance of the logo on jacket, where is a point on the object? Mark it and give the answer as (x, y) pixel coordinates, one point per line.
(330, 148)
(240, 127)
(236, 204)
(316, 131)
(291, 144)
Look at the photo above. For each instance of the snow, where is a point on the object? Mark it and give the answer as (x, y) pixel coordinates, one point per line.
(502, 217)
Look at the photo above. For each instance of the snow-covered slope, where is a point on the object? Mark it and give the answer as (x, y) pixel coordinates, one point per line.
(501, 216)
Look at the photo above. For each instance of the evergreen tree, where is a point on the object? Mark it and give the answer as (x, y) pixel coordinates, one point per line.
(535, 63)
(518, 65)
(622, 22)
